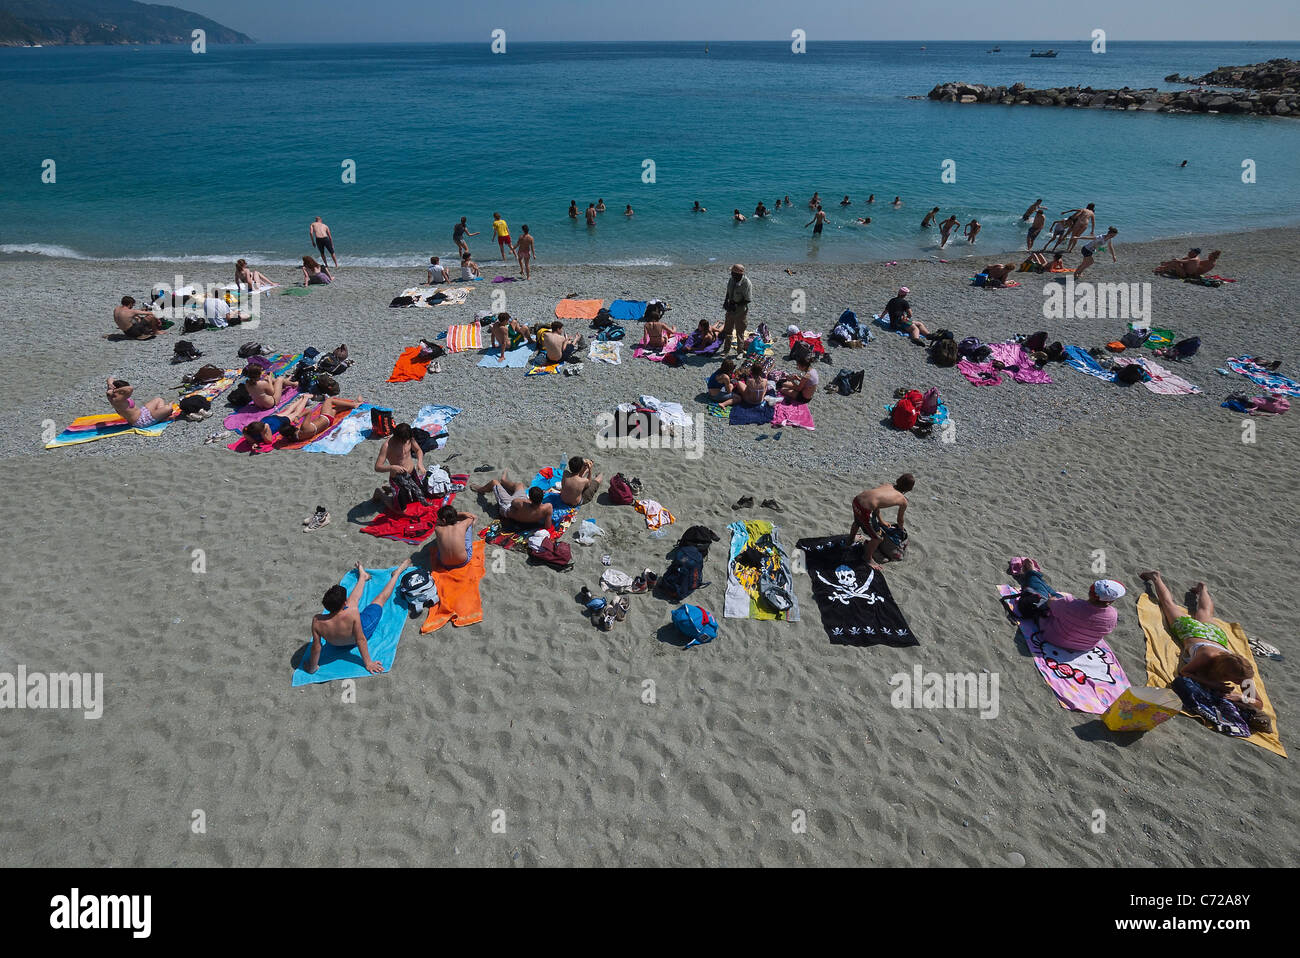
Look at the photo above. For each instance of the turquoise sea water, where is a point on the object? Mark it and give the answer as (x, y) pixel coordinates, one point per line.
(162, 153)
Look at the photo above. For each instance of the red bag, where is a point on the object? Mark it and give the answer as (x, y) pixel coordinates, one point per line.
(905, 413)
(554, 553)
(620, 492)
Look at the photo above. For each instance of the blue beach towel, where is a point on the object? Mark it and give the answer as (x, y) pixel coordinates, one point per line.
(750, 415)
(516, 358)
(1076, 357)
(883, 322)
(337, 663)
(351, 432)
(627, 309)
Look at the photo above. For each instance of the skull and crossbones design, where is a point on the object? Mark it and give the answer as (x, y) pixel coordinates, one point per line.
(845, 588)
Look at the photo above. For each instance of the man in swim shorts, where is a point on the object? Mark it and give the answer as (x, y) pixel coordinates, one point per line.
(867, 507)
(1035, 228)
(517, 502)
(502, 231)
(559, 348)
(136, 323)
(324, 240)
(343, 626)
(453, 537)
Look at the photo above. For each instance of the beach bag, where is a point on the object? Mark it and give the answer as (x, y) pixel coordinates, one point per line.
(774, 595)
(251, 349)
(1130, 375)
(554, 553)
(437, 482)
(929, 402)
(907, 410)
(684, 575)
(418, 589)
(206, 374)
(326, 385)
(381, 423)
(1134, 338)
(620, 491)
(1184, 349)
(239, 396)
(1055, 352)
(185, 351)
(980, 279)
(967, 348)
(193, 404)
(673, 359)
(336, 362)
(696, 624)
(1036, 342)
(843, 381)
(194, 324)
(801, 352)
(611, 333)
(894, 544)
(944, 353)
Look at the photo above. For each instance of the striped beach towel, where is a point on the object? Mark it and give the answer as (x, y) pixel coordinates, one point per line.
(1246, 366)
(467, 336)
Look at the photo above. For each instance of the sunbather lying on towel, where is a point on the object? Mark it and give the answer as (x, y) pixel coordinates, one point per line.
(136, 323)
(264, 390)
(1189, 266)
(1071, 623)
(453, 537)
(997, 273)
(508, 333)
(295, 424)
(399, 455)
(578, 485)
(867, 506)
(139, 415)
(706, 335)
(344, 626)
(517, 502)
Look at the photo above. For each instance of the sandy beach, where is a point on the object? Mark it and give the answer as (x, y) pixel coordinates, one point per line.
(535, 718)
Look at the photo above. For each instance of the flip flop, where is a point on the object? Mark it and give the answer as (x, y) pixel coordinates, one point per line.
(1264, 649)
(744, 502)
(772, 504)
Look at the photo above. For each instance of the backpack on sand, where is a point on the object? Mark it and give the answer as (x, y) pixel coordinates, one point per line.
(907, 410)
(418, 589)
(554, 553)
(184, 352)
(944, 353)
(620, 491)
(696, 624)
(685, 575)
(381, 423)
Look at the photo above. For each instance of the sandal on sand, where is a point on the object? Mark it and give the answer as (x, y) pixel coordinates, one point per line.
(218, 437)
(744, 502)
(606, 621)
(771, 504)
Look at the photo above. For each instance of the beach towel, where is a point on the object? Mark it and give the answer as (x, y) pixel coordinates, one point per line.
(417, 520)
(434, 418)
(1086, 681)
(627, 309)
(882, 321)
(656, 516)
(463, 337)
(90, 428)
(1271, 381)
(1076, 357)
(425, 298)
(350, 433)
(1006, 284)
(1013, 354)
(1162, 381)
(744, 580)
(644, 351)
(799, 414)
(516, 358)
(336, 663)
(1156, 338)
(281, 444)
(410, 367)
(760, 414)
(670, 413)
(249, 413)
(1162, 664)
(585, 309)
(508, 535)
(856, 605)
(295, 291)
(979, 374)
(814, 340)
(606, 352)
(459, 599)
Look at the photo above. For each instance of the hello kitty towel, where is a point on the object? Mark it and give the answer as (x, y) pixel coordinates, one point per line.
(1086, 681)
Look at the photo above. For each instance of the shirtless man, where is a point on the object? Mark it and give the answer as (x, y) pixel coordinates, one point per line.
(998, 273)
(697, 208)
(1190, 265)
(264, 391)
(524, 253)
(972, 230)
(323, 240)
(136, 323)
(579, 486)
(591, 214)
(156, 410)
(399, 454)
(558, 347)
(1036, 227)
(929, 218)
(867, 507)
(1034, 208)
(458, 234)
(343, 626)
(817, 222)
(816, 201)
(946, 228)
(897, 203)
(657, 333)
(502, 330)
(453, 537)
(1081, 222)
(738, 216)
(517, 502)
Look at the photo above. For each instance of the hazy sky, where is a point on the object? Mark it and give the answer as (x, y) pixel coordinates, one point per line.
(525, 20)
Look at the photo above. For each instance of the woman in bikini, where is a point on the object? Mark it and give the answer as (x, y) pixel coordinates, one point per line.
(138, 415)
(247, 276)
(296, 424)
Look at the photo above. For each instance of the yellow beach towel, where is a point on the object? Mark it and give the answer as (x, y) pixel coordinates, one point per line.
(1162, 663)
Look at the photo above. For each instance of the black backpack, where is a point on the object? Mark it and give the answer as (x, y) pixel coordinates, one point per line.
(1036, 342)
(184, 352)
(1130, 374)
(801, 352)
(1185, 348)
(944, 353)
(194, 324)
(684, 575)
(239, 396)
(251, 349)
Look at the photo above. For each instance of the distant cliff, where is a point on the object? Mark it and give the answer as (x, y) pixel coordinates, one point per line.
(59, 22)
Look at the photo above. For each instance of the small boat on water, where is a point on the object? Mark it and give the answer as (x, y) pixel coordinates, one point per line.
(996, 50)
(1042, 53)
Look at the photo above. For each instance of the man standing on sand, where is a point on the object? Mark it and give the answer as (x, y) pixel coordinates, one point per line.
(502, 231)
(867, 507)
(946, 228)
(343, 627)
(323, 239)
(1035, 228)
(736, 308)
(458, 233)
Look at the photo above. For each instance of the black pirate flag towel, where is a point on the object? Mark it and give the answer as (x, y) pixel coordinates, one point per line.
(855, 602)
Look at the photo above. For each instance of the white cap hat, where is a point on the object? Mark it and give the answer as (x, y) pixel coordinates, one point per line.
(791, 329)
(1108, 590)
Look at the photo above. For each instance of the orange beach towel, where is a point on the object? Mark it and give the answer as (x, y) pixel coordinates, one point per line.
(459, 601)
(407, 369)
(578, 308)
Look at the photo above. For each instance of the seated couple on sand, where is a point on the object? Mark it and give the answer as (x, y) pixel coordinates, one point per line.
(296, 424)
(138, 415)
(344, 626)
(746, 386)
(136, 323)
(1190, 266)
(526, 506)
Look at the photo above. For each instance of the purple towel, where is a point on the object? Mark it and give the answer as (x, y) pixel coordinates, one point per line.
(244, 415)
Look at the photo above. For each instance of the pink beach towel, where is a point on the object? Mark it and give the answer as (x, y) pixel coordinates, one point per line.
(1162, 382)
(792, 414)
(244, 415)
(1013, 354)
(1083, 681)
(643, 350)
(979, 374)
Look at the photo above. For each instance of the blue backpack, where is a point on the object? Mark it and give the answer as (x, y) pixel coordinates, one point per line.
(684, 575)
(610, 333)
(696, 624)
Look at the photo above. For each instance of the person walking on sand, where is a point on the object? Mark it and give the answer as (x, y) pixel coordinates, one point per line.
(323, 239)
(502, 231)
(736, 308)
(459, 232)
(1035, 228)
(524, 253)
(343, 626)
(1090, 249)
(817, 222)
(929, 218)
(868, 505)
(946, 228)
(972, 230)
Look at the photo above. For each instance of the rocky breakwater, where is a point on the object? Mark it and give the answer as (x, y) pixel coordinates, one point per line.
(1271, 103)
(1276, 76)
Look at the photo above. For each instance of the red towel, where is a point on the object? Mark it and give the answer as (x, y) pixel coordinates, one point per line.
(408, 369)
